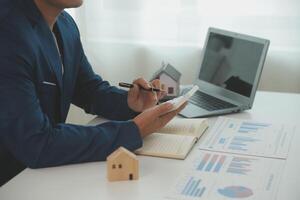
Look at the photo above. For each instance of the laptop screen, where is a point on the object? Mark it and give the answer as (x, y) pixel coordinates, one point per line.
(231, 63)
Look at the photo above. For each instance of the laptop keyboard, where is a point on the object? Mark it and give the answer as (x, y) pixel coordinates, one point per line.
(209, 102)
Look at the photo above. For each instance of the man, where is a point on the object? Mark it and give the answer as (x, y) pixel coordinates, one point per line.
(43, 69)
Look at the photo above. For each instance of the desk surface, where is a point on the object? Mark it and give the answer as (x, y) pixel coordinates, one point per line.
(88, 181)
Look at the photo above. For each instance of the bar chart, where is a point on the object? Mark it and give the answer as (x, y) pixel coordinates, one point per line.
(211, 163)
(245, 135)
(251, 127)
(193, 188)
(241, 143)
(240, 165)
(250, 137)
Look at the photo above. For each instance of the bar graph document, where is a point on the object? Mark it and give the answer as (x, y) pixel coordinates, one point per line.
(249, 138)
(213, 175)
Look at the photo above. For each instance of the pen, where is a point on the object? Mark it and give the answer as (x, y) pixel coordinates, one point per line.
(128, 85)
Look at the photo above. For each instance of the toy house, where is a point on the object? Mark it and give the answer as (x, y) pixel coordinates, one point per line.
(170, 80)
(122, 165)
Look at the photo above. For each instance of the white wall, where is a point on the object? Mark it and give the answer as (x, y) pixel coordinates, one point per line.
(282, 71)
(125, 62)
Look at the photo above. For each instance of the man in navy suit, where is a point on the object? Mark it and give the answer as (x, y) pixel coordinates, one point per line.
(43, 69)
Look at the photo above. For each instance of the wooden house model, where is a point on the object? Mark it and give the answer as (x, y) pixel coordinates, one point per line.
(122, 165)
(170, 80)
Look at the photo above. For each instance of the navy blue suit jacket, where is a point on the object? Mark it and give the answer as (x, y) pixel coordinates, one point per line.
(32, 112)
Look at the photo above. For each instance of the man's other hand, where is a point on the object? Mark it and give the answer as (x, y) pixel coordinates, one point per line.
(139, 99)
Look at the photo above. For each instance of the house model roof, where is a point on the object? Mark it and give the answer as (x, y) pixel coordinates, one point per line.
(120, 151)
(169, 70)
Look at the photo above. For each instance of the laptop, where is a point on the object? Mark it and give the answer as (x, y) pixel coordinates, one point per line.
(230, 71)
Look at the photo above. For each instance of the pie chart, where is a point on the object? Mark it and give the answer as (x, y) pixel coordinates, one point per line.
(236, 192)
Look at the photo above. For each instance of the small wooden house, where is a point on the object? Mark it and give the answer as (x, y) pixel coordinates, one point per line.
(122, 165)
(170, 80)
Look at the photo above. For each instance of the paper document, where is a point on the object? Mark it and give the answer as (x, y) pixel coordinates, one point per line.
(249, 138)
(217, 176)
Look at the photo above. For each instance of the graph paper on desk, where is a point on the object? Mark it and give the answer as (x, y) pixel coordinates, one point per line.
(214, 175)
(249, 138)
(237, 159)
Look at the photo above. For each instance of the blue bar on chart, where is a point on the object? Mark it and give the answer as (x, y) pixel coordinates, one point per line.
(220, 164)
(203, 162)
(241, 142)
(211, 163)
(192, 188)
(240, 165)
(250, 127)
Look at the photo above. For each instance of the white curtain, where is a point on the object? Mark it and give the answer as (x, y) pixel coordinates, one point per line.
(186, 21)
(135, 33)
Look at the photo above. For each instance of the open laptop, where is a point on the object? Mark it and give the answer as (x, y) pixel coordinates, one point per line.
(230, 71)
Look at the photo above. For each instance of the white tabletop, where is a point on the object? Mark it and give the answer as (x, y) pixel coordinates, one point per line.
(88, 181)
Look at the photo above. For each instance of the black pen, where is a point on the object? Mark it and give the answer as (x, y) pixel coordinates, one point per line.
(128, 85)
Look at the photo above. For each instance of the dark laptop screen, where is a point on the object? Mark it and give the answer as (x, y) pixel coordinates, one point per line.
(231, 63)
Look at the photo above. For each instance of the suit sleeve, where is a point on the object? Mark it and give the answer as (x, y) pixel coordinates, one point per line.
(29, 135)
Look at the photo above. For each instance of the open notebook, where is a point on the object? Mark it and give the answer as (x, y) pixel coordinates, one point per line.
(175, 140)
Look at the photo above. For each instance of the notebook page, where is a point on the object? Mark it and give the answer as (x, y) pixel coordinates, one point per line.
(166, 145)
(179, 126)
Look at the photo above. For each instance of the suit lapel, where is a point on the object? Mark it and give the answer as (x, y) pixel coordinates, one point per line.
(66, 58)
(49, 49)
(44, 37)
(67, 63)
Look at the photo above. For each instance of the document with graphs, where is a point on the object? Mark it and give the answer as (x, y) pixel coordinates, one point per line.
(218, 176)
(236, 159)
(249, 137)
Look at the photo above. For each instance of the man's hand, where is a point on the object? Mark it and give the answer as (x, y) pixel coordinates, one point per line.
(155, 118)
(139, 99)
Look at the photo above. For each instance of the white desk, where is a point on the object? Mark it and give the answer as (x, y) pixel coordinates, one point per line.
(88, 181)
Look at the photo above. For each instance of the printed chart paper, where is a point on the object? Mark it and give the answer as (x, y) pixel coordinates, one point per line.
(249, 138)
(216, 176)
